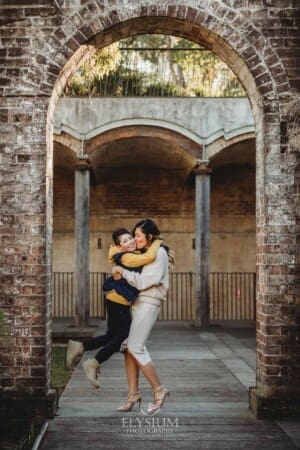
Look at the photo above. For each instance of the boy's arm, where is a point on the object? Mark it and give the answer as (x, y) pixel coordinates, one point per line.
(113, 249)
(141, 259)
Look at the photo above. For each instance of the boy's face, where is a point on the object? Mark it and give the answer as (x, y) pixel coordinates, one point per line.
(127, 243)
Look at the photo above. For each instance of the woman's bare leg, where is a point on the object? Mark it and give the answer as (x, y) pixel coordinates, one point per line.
(148, 371)
(132, 372)
(160, 392)
(151, 375)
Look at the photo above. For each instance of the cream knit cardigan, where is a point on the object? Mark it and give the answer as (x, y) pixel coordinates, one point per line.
(153, 281)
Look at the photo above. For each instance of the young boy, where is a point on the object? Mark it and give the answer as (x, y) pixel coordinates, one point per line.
(118, 307)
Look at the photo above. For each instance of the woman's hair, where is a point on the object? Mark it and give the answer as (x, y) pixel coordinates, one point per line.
(149, 228)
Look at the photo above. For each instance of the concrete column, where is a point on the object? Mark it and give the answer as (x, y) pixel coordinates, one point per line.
(202, 238)
(82, 242)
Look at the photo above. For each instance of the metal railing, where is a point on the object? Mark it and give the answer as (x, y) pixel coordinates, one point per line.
(63, 294)
(232, 296)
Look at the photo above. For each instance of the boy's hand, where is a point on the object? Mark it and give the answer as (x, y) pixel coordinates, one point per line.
(117, 272)
(117, 276)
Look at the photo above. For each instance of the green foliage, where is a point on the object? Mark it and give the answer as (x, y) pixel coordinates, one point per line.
(148, 65)
(27, 441)
(59, 374)
(103, 62)
(163, 89)
(121, 83)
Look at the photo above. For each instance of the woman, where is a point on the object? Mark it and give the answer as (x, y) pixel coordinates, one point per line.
(153, 284)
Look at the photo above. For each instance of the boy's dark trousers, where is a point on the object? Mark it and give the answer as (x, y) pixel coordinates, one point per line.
(118, 324)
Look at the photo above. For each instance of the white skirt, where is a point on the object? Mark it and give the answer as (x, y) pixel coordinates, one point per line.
(144, 316)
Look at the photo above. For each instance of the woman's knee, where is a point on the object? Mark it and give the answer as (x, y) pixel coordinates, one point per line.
(135, 348)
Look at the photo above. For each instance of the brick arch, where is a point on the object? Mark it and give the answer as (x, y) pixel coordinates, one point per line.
(191, 150)
(248, 52)
(220, 28)
(131, 131)
(65, 154)
(221, 144)
(68, 141)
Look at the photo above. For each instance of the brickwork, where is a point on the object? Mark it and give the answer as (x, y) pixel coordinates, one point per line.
(42, 43)
(170, 202)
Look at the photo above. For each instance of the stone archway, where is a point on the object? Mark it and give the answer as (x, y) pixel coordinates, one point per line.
(242, 42)
(242, 56)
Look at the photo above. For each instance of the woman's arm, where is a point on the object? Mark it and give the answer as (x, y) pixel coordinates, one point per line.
(151, 275)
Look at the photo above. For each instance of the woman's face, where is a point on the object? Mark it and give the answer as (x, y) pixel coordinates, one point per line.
(140, 239)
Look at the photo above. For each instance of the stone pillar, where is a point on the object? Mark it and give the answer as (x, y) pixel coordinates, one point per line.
(26, 396)
(82, 242)
(277, 390)
(202, 238)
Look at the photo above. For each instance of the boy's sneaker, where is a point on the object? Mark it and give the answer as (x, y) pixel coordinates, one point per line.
(124, 347)
(92, 369)
(74, 350)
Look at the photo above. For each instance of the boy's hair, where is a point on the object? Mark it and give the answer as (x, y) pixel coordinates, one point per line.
(118, 233)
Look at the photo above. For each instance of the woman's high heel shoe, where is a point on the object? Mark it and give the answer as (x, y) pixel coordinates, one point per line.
(132, 399)
(160, 396)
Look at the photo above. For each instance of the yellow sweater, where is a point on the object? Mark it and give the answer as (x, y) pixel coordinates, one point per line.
(132, 260)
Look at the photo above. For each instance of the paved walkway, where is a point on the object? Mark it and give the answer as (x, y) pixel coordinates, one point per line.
(208, 373)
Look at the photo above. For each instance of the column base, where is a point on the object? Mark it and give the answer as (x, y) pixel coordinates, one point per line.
(19, 412)
(273, 408)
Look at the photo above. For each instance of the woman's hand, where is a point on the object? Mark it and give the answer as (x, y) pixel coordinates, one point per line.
(117, 272)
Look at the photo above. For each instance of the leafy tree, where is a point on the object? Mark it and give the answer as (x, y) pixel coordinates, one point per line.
(85, 80)
(154, 65)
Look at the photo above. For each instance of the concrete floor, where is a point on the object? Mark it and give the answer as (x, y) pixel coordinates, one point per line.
(208, 373)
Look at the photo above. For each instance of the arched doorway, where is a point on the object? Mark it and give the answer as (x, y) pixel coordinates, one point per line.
(257, 81)
(256, 89)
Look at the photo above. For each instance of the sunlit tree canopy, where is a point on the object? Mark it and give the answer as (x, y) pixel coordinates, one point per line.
(154, 65)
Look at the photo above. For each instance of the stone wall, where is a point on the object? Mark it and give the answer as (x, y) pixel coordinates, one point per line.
(42, 43)
(202, 119)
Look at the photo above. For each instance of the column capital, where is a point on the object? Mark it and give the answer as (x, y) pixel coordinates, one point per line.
(83, 163)
(202, 168)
